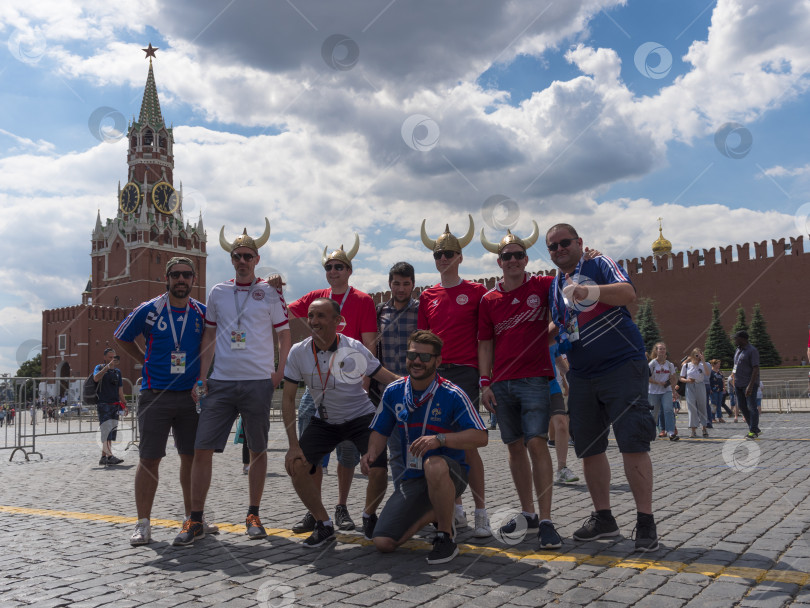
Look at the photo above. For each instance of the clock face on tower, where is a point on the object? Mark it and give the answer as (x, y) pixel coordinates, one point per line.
(164, 198)
(130, 198)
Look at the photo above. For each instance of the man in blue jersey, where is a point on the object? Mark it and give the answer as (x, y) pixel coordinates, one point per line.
(608, 380)
(435, 421)
(172, 326)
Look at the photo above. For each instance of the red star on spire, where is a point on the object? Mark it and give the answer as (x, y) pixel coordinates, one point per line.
(150, 52)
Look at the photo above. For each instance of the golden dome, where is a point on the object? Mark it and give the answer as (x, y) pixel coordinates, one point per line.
(661, 246)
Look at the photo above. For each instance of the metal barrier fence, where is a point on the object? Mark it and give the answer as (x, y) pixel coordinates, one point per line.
(785, 396)
(35, 417)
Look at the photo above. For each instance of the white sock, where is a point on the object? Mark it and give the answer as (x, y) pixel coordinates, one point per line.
(481, 512)
(329, 523)
(459, 509)
(144, 520)
(528, 515)
(366, 515)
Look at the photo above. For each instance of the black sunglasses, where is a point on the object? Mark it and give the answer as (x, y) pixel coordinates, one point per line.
(176, 274)
(437, 255)
(117, 357)
(561, 243)
(423, 357)
(245, 256)
(518, 255)
(337, 267)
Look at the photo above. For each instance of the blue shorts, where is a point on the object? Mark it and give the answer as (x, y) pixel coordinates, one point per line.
(618, 397)
(108, 412)
(523, 408)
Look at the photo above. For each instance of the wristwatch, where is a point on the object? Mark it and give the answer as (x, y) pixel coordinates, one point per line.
(442, 439)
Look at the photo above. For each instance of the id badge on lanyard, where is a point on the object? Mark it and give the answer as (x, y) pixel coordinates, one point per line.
(178, 362)
(239, 335)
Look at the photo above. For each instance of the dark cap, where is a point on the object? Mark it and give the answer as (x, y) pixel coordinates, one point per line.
(180, 260)
(741, 334)
(109, 349)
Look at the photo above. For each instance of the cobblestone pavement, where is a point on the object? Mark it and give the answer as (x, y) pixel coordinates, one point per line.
(733, 517)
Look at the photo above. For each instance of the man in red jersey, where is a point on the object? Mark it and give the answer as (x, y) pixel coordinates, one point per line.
(360, 315)
(450, 310)
(515, 366)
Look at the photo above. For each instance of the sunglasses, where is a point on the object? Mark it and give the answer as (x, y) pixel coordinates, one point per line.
(337, 267)
(423, 357)
(562, 243)
(244, 256)
(117, 357)
(518, 255)
(437, 255)
(176, 274)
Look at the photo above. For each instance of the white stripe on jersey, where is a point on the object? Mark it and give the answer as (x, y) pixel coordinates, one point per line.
(131, 316)
(602, 325)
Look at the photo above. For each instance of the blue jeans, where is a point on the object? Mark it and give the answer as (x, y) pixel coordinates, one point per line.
(662, 408)
(748, 407)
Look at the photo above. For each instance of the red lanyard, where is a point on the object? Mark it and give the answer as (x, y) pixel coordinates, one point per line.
(328, 371)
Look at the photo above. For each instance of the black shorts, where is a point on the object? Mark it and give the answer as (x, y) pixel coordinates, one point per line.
(159, 412)
(320, 438)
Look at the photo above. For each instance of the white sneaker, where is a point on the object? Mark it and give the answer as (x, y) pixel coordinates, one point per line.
(565, 475)
(482, 529)
(460, 519)
(209, 528)
(142, 534)
(246, 469)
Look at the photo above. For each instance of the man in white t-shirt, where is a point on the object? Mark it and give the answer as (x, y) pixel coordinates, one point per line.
(240, 319)
(333, 367)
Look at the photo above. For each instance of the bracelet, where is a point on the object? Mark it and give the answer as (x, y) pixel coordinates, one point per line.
(484, 381)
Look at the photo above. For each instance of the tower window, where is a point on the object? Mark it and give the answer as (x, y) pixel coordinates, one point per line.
(147, 138)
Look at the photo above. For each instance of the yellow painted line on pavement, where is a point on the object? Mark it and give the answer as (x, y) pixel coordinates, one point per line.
(606, 561)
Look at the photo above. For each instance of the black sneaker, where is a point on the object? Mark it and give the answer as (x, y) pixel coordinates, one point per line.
(103, 461)
(551, 443)
(342, 518)
(321, 535)
(192, 530)
(369, 523)
(674, 438)
(114, 460)
(646, 537)
(444, 549)
(307, 524)
(549, 539)
(255, 529)
(597, 526)
(508, 529)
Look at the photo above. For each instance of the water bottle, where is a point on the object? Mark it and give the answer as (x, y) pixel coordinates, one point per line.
(200, 391)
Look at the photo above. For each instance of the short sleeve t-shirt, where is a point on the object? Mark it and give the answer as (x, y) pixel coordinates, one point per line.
(660, 372)
(517, 321)
(695, 372)
(745, 360)
(450, 411)
(357, 309)
(156, 329)
(263, 310)
(608, 337)
(452, 314)
(334, 377)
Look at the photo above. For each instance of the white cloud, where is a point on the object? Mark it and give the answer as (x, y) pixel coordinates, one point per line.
(779, 171)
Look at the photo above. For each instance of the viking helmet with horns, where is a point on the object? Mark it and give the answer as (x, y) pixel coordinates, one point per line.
(342, 256)
(511, 239)
(446, 241)
(244, 240)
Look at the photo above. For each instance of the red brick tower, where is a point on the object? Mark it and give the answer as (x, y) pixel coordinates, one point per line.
(129, 251)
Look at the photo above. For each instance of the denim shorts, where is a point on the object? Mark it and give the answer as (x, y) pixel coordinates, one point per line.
(523, 407)
(617, 398)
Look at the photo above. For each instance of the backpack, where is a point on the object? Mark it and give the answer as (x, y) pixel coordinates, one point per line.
(90, 390)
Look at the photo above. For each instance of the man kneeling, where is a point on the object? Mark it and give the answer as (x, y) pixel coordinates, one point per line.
(332, 366)
(436, 422)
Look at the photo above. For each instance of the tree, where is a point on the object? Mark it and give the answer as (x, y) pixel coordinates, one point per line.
(718, 345)
(647, 325)
(740, 324)
(30, 369)
(759, 338)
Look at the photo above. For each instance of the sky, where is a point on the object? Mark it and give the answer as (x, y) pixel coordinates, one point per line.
(370, 116)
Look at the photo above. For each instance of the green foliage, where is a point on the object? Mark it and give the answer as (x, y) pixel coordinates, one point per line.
(31, 368)
(647, 325)
(740, 324)
(759, 338)
(718, 344)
